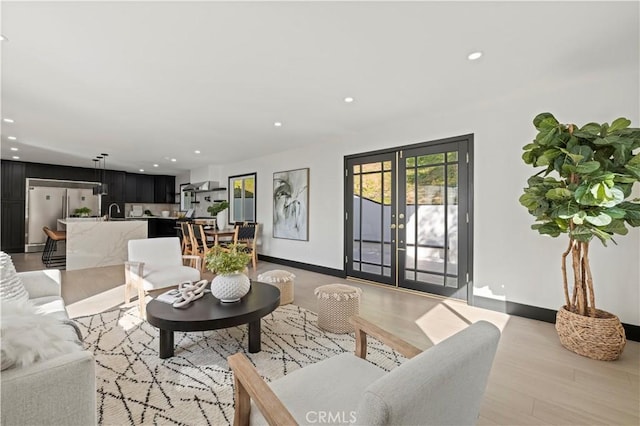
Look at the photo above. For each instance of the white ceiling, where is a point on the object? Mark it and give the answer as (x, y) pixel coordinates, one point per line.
(149, 81)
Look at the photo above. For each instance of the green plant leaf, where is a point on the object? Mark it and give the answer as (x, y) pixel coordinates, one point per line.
(633, 166)
(558, 194)
(545, 120)
(581, 233)
(546, 137)
(588, 167)
(590, 128)
(549, 228)
(617, 226)
(619, 124)
(602, 219)
(615, 212)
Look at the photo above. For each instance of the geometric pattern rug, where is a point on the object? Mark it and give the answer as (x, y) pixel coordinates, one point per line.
(195, 387)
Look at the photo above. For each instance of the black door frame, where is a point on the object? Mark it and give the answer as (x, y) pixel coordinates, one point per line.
(466, 141)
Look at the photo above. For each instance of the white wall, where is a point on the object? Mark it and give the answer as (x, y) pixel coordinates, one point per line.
(511, 262)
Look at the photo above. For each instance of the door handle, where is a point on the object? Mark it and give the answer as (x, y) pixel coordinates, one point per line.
(401, 226)
(393, 226)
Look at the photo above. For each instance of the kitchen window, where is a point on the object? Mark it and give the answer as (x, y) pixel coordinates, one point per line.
(242, 198)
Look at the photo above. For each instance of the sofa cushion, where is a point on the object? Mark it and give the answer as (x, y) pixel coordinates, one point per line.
(323, 401)
(52, 306)
(11, 287)
(157, 276)
(29, 336)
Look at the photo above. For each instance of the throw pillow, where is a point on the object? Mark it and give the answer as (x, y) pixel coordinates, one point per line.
(11, 287)
(29, 336)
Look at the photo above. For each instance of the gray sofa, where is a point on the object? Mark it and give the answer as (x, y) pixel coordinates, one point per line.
(58, 391)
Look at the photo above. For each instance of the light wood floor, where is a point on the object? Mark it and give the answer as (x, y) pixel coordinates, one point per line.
(534, 380)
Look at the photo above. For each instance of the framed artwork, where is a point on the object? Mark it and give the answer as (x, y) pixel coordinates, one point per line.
(291, 204)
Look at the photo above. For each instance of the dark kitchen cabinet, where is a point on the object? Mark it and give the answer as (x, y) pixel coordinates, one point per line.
(12, 236)
(145, 189)
(139, 188)
(164, 189)
(13, 180)
(51, 171)
(130, 187)
(115, 187)
(161, 228)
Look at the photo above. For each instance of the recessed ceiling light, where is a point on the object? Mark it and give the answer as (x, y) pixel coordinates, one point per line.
(13, 148)
(197, 151)
(15, 157)
(155, 165)
(8, 120)
(475, 55)
(3, 38)
(348, 99)
(11, 138)
(142, 170)
(277, 124)
(173, 160)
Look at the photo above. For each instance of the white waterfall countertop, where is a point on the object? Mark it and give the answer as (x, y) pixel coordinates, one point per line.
(92, 242)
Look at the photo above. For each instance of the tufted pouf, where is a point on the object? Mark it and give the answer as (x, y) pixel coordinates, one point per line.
(281, 279)
(336, 303)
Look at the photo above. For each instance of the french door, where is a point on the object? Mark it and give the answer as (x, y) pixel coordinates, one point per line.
(408, 217)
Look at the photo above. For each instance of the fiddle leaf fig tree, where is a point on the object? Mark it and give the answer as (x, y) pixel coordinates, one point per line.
(583, 190)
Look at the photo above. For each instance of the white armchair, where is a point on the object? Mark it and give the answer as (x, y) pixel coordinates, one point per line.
(156, 263)
(443, 385)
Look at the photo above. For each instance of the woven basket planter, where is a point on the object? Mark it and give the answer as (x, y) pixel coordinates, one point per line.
(601, 337)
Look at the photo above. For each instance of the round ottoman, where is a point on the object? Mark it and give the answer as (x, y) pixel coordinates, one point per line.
(336, 303)
(281, 279)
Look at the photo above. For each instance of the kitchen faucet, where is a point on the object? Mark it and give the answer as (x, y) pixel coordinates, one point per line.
(117, 209)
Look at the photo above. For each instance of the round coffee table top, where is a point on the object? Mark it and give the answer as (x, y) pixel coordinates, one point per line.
(208, 313)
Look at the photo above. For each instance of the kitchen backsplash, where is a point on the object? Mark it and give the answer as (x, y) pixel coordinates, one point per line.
(155, 209)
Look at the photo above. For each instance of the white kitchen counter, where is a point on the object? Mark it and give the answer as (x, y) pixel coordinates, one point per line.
(92, 242)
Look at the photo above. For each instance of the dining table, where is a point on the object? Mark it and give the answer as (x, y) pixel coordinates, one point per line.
(217, 233)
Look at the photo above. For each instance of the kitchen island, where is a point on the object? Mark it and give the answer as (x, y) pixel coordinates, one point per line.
(93, 242)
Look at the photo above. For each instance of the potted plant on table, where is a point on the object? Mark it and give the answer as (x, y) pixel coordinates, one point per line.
(584, 191)
(229, 263)
(83, 211)
(217, 210)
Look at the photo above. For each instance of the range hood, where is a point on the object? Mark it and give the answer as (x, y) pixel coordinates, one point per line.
(201, 186)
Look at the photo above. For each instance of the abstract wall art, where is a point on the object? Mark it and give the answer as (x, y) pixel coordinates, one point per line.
(291, 204)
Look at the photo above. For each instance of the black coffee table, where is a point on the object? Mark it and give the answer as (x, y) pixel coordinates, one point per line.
(208, 313)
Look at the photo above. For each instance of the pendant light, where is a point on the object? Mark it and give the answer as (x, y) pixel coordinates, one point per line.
(102, 187)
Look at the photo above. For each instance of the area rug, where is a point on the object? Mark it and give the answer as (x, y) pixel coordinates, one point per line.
(195, 387)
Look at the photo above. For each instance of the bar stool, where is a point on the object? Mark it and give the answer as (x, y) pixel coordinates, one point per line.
(48, 258)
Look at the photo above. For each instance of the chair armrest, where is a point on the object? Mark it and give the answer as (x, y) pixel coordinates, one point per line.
(249, 385)
(364, 327)
(198, 259)
(42, 283)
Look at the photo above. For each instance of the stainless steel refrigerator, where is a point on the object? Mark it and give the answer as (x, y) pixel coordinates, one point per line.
(50, 200)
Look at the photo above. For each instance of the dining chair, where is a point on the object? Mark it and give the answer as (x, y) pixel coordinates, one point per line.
(198, 246)
(186, 239)
(248, 234)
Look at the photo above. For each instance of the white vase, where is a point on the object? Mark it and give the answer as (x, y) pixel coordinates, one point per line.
(230, 287)
(221, 220)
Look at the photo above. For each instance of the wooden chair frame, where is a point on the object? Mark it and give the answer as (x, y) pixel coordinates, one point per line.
(249, 385)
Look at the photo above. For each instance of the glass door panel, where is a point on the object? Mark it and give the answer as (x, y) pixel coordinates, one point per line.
(370, 250)
(430, 242)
